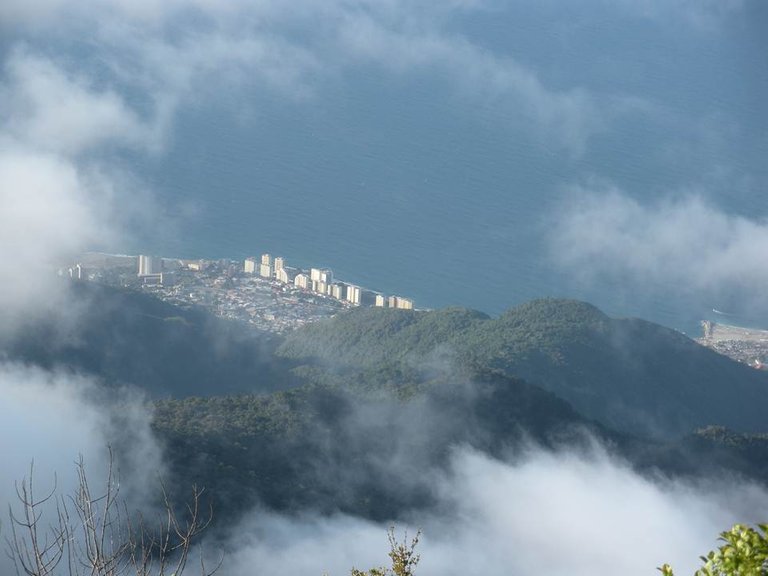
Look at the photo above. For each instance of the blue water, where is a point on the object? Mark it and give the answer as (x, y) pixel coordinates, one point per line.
(402, 184)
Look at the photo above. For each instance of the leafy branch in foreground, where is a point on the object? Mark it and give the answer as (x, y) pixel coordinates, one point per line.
(403, 556)
(95, 535)
(744, 553)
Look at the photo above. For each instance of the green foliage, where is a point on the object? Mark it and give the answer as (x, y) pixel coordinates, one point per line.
(628, 374)
(744, 553)
(295, 449)
(366, 337)
(402, 554)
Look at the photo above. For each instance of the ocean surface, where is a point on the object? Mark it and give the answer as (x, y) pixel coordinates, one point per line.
(404, 183)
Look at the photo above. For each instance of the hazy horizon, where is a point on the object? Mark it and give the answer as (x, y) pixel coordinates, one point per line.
(477, 153)
(470, 153)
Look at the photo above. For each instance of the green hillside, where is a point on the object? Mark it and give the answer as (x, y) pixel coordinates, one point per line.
(354, 413)
(330, 449)
(367, 337)
(629, 374)
(125, 337)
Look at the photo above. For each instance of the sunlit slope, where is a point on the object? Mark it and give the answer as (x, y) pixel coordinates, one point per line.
(629, 374)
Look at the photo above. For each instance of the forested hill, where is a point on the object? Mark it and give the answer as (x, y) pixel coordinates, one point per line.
(329, 449)
(629, 374)
(352, 413)
(123, 337)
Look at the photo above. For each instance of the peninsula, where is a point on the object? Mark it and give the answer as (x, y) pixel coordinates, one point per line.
(266, 293)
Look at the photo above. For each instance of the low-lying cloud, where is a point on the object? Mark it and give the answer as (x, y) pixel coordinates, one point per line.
(52, 109)
(50, 211)
(684, 242)
(289, 50)
(548, 513)
(51, 419)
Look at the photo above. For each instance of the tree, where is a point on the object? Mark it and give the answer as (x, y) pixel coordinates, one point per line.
(403, 556)
(744, 553)
(95, 534)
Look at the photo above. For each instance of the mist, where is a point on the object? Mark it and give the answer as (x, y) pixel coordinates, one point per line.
(684, 244)
(51, 420)
(547, 513)
(85, 89)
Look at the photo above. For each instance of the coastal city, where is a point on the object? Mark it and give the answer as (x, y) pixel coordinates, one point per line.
(264, 292)
(745, 345)
(271, 296)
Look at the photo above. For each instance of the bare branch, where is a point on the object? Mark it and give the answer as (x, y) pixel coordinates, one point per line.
(95, 534)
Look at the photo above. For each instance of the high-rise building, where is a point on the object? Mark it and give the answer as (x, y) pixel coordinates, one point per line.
(381, 301)
(354, 294)
(400, 303)
(279, 264)
(149, 265)
(404, 303)
(302, 281)
(250, 265)
(337, 291)
(78, 272)
(287, 275)
(266, 259)
(265, 270)
(321, 275)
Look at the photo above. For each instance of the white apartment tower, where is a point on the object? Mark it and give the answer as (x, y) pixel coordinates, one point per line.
(337, 291)
(302, 281)
(354, 294)
(149, 265)
(400, 303)
(404, 303)
(321, 275)
(78, 272)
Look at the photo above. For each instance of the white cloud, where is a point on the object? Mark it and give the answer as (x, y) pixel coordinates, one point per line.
(566, 118)
(546, 514)
(684, 242)
(57, 200)
(51, 110)
(53, 418)
(527, 517)
(50, 211)
(293, 48)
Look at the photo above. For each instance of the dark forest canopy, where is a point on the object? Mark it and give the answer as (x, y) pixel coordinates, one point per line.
(629, 374)
(351, 413)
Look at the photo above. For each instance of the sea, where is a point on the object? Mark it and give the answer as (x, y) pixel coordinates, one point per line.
(417, 184)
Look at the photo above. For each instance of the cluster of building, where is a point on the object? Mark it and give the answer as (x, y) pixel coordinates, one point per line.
(321, 281)
(152, 271)
(745, 345)
(265, 293)
(77, 272)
